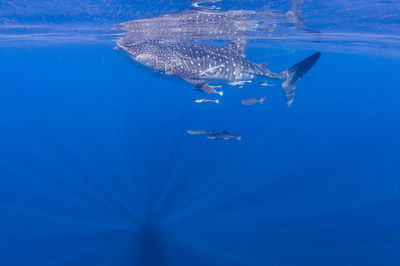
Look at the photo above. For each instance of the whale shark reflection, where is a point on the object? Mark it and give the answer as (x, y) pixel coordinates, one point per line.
(208, 24)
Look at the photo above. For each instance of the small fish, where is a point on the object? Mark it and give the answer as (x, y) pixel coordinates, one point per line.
(196, 132)
(206, 100)
(239, 84)
(253, 100)
(223, 135)
(265, 84)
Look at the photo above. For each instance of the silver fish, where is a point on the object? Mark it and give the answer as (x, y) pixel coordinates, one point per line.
(196, 132)
(206, 100)
(254, 100)
(223, 135)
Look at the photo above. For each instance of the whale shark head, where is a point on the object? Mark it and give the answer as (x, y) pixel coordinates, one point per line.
(144, 52)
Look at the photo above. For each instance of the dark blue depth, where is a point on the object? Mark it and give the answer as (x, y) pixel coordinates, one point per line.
(96, 167)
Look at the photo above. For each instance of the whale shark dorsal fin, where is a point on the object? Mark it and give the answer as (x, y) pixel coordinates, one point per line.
(237, 47)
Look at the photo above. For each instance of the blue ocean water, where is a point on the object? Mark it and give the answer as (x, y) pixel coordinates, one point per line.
(96, 167)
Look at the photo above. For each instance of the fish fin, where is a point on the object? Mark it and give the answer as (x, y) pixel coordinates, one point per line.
(238, 47)
(239, 137)
(294, 14)
(217, 101)
(262, 100)
(196, 81)
(293, 74)
(207, 88)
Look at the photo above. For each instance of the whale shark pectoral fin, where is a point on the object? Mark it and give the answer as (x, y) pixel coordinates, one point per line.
(199, 83)
(208, 89)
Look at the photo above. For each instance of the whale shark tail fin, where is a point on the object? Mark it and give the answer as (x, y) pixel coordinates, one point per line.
(293, 74)
(294, 14)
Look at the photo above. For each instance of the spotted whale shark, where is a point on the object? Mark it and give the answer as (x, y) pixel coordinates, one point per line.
(201, 64)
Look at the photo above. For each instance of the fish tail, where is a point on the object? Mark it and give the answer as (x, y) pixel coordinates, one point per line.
(239, 137)
(217, 101)
(262, 100)
(293, 74)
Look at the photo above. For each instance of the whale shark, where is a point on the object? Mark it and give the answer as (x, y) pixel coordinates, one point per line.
(202, 64)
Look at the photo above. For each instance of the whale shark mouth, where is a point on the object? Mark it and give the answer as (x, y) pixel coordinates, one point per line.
(146, 59)
(125, 43)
